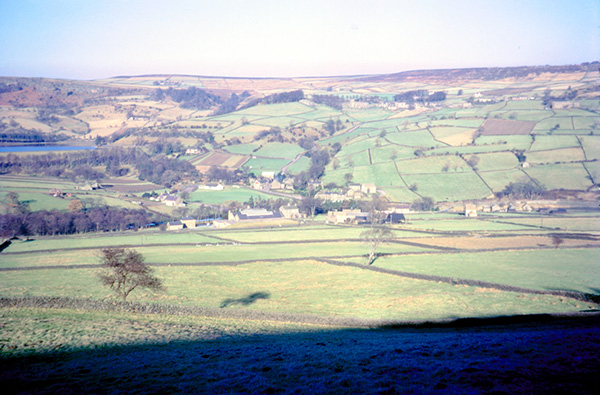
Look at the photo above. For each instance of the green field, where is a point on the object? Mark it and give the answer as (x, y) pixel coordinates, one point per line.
(443, 186)
(258, 165)
(140, 238)
(353, 160)
(38, 201)
(390, 152)
(565, 269)
(275, 110)
(382, 174)
(496, 161)
(419, 138)
(279, 150)
(556, 155)
(543, 143)
(226, 195)
(286, 266)
(358, 145)
(497, 180)
(435, 164)
(517, 142)
(561, 176)
(244, 149)
(302, 164)
(591, 146)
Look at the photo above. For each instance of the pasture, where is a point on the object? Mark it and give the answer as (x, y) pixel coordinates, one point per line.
(204, 266)
(259, 164)
(560, 176)
(226, 195)
(442, 187)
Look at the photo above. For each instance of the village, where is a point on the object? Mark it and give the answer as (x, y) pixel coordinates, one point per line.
(354, 196)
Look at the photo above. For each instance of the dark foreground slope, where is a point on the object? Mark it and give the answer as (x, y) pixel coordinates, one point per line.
(513, 355)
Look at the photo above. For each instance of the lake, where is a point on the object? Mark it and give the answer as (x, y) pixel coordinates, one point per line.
(38, 148)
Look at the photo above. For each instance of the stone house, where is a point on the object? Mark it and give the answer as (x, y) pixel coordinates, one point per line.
(174, 225)
(291, 212)
(347, 216)
(173, 201)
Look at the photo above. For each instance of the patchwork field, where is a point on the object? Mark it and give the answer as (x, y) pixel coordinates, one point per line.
(289, 306)
(221, 159)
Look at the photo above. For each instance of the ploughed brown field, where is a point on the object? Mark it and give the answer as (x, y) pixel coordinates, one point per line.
(223, 160)
(498, 127)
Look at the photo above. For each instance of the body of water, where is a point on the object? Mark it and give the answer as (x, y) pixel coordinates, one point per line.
(38, 148)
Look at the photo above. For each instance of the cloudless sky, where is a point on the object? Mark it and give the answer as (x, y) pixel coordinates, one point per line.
(89, 39)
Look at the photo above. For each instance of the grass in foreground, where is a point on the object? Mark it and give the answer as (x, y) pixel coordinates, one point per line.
(166, 354)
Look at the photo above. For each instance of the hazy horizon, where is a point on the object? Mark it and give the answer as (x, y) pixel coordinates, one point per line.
(273, 39)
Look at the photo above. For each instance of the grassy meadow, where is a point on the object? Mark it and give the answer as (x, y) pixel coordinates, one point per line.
(292, 265)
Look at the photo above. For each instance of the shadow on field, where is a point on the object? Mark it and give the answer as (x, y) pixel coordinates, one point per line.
(540, 354)
(593, 297)
(247, 300)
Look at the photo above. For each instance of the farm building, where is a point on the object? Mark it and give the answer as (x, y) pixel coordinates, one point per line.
(355, 195)
(470, 210)
(253, 214)
(212, 187)
(288, 183)
(221, 223)
(173, 201)
(261, 185)
(192, 151)
(347, 217)
(399, 208)
(312, 185)
(189, 222)
(368, 188)
(395, 218)
(291, 212)
(88, 187)
(496, 208)
(174, 225)
(268, 174)
(331, 196)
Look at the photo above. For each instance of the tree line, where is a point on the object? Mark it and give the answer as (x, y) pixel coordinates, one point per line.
(191, 97)
(282, 97)
(329, 100)
(158, 169)
(420, 96)
(98, 219)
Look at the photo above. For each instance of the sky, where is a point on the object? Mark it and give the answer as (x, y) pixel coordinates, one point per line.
(90, 39)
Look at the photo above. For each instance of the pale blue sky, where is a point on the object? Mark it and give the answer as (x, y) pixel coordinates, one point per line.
(87, 39)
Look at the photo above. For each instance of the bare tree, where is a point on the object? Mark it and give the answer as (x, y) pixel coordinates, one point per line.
(556, 240)
(309, 205)
(124, 270)
(378, 231)
(374, 236)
